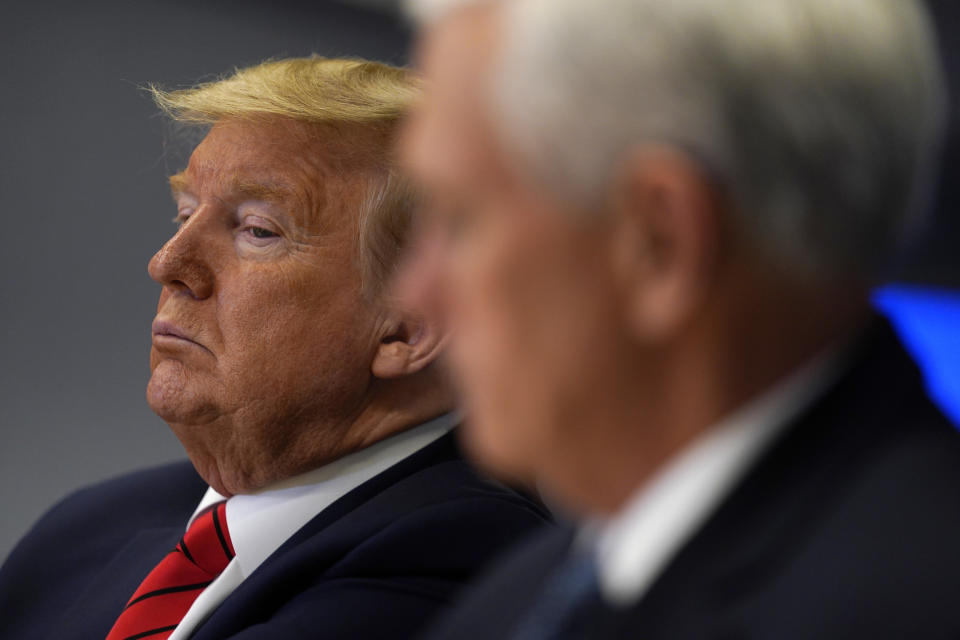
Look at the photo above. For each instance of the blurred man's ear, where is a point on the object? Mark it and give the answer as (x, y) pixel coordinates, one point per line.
(666, 241)
(409, 343)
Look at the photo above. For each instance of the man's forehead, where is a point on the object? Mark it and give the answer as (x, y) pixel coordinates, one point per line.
(269, 160)
(450, 130)
(260, 145)
(466, 40)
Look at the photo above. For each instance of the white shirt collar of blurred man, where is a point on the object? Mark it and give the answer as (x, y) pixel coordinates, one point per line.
(634, 546)
(261, 522)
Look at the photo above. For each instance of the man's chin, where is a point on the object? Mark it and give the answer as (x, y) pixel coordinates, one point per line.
(209, 470)
(173, 399)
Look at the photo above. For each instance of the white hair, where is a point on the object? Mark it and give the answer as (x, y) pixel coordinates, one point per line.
(820, 118)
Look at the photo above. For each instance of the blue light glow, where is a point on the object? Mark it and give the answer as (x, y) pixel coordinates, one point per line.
(928, 321)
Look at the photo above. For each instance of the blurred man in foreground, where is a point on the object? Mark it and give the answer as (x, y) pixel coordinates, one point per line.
(331, 501)
(652, 230)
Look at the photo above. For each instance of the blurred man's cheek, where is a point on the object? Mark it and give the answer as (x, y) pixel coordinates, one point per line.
(418, 283)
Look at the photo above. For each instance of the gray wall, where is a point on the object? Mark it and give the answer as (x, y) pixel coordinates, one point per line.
(83, 165)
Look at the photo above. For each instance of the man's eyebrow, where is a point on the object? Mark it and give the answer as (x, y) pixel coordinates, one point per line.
(265, 191)
(178, 184)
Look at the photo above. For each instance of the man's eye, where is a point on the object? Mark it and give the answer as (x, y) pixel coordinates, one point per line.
(257, 230)
(260, 232)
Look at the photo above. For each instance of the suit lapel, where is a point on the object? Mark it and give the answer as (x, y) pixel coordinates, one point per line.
(325, 540)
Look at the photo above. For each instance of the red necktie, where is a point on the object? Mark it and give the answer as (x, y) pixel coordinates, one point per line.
(165, 595)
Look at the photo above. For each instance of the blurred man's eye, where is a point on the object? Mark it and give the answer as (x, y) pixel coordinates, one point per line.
(457, 221)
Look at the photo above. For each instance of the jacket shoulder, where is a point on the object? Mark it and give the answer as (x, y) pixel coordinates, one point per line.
(146, 497)
(77, 537)
(490, 606)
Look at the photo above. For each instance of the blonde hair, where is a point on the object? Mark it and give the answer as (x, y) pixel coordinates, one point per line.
(334, 92)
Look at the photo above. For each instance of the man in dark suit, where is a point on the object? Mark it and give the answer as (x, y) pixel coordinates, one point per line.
(656, 225)
(331, 499)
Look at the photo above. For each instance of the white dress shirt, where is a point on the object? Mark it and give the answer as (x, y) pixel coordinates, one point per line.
(260, 522)
(634, 546)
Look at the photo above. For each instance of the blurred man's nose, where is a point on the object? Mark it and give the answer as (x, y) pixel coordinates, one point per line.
(182, 264)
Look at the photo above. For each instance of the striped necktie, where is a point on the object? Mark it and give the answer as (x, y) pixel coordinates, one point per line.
(165, 595)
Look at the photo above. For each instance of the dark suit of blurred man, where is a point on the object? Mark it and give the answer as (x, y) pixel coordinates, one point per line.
(654, 232)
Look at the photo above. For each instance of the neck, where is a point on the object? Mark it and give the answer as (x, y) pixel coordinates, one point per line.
(232, 464)
(752, 334)
(398, 405)
(390, 407)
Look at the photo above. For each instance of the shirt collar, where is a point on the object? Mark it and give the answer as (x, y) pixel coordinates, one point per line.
(633, 546)
(262, 521)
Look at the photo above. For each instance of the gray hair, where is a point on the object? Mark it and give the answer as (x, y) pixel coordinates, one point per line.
(821, 118)
(426, 12)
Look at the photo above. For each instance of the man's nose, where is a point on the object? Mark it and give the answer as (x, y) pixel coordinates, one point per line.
(182, 264)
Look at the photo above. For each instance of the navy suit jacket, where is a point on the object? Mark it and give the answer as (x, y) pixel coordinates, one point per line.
(847, 527)
(377, 563)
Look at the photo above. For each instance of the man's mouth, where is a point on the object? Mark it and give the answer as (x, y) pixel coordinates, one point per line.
(165, 331)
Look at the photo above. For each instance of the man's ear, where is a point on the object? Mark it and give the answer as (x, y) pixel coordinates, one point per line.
(409, 343)
(666, 239)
